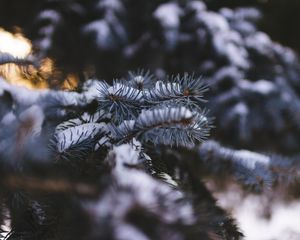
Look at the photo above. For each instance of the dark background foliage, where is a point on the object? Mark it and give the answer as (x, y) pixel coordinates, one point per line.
(254, 98)
(278, 18)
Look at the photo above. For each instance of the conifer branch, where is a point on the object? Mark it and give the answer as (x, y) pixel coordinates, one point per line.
(257, 171)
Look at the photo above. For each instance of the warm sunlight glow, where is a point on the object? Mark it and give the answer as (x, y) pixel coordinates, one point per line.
(15, 44)
(19, 46)
(71, 82)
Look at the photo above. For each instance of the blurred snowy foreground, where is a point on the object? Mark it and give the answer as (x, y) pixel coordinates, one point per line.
(261, 217)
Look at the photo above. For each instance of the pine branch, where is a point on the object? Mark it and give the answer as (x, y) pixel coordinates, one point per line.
(257, 171)
(224, 46)
(170, 126)
(41, 185)
(120, 100)
(97, 117)
(140, 79)
(185, 90)
(78, 141)
(6, 58)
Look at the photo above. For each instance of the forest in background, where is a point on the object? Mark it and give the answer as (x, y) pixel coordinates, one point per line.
(171, 112)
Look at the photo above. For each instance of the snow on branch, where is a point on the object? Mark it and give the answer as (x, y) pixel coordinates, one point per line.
(254, 170)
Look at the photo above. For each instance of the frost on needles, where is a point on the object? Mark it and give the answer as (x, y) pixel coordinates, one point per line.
(157, 112)
(96, 153)
(135, 145)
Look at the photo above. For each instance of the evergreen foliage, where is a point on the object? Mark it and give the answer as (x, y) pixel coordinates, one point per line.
(221, 44)
(94, 161)
(128, 158)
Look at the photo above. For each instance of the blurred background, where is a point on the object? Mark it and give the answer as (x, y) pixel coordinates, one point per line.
(280, 18)
(74, 40)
